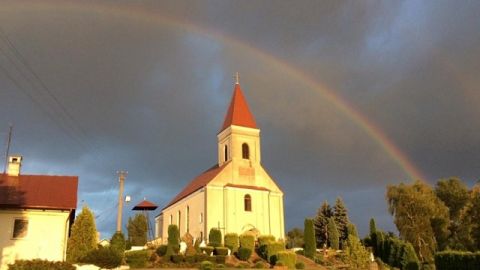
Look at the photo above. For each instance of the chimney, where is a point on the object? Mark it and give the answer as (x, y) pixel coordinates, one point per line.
(14, 164)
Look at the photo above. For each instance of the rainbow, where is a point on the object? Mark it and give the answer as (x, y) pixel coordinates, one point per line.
(133, 12)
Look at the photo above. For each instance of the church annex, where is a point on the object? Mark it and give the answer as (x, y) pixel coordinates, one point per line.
(236, 195)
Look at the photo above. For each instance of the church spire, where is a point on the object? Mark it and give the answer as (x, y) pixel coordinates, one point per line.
(238, 113)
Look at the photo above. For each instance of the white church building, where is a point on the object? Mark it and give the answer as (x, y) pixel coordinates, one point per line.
(236, 195)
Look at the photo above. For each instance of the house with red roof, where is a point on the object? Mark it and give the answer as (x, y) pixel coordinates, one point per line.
(36, 212)
(235, 195)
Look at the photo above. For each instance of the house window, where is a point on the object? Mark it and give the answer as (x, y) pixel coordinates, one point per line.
(225, 152)
(188, 217)
(247, 203)
(20, 228)
(179, 219)
(245, 151)
(201, 217)
(171, 220)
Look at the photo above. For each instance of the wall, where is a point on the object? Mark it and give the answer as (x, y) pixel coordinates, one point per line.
(46, 237)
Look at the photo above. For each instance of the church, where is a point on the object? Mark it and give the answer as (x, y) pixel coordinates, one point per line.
(236, 195)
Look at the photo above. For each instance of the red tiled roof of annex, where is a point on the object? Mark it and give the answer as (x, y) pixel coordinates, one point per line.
(38, 191)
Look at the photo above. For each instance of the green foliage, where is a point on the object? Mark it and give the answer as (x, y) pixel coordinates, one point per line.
(220, 259)
(37, 264)
(200, 257)
(299, 265)
(244, 253)
(260, 265)
(231, 241)
(287, 258)
(215, 237)
(137, 230)
(395, 252)
(190, 259)
(247, 241)
(173, 240)
(137, 259)
(471, 219)
(177, 258)
(457, 260)
(83, 238)
(208, 250)
(340, 215)
(358, 256)
(321, 221)
(265, 239)
(198, 241)
(223, 251)
(333, 234)
(420, 216)
(270, 248)
(117, 243)
(206, 265)
(103, 257)
(372, 227)
(408, 259)
(310, 245)
(161, 250)
(352, 230)
(295, 238)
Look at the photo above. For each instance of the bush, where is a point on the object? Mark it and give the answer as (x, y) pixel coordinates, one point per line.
(447, 260)
(221, 251)
(220, 266)
(212, 259)
(103, 257)
(265, 239)
(231, 241)
(173, 235)
(260, 265)
(190, 259)
(177, 258)
(247, 241)
(287, 258)
(244, 253)
(137, 259)
(243, 265)
(117, 243)
(206, 265)
(309, 238)
(220, 259)
(37, 264)
(208, 250)
(215, 237)
(161, 250)
(201, 257)
(300, 265)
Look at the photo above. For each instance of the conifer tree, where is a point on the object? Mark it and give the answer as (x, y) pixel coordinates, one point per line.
(321, 222)
(83, 238)
(341, 218)
(333, 235)
(373, 227)
(137, 230)
(309, 238)
(117, 243)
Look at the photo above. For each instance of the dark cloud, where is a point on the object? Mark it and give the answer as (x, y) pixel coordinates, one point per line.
(149, 97)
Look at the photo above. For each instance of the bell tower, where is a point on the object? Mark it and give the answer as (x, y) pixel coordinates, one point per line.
(239, 137)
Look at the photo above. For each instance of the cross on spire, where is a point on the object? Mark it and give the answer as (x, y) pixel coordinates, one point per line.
(237, 78)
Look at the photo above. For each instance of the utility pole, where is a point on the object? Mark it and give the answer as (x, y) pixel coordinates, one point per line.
(121, 179)
(8, 147)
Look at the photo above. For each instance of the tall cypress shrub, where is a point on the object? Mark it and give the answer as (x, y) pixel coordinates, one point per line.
(215, 237)
(83, 238)
(333, 235)
(309, 237)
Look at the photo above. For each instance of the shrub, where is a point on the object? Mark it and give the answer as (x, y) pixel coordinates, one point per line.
(177, 258)
(333, 235)
(208, 250)
(190, 259)
(259, 265)
(309, 238)
(220, 266)
(37, 264)
(161, 250)
(243, 265)
(173, 235)
(447, 260)
(137, 259)
(244, 253)
(83, 237)
(300, 265)
(287, 258)
(117, 243)
(265, 239)
(220, 259)
(200, 257)
(221, 251)
(247, 241)
(215, 237)
(212, 259)
(206, 265)
(103, 257)
(231, 241)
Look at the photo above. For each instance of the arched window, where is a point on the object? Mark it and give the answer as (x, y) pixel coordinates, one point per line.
(179, 219)
(188, 217)
(245, 151)
(171, 220)
(225, 152)
(247, 201)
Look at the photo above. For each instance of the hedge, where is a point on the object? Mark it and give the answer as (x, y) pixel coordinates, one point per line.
(244, 253)
(221, 251)
(265, 239)
(37, 264)
(208, 250)
(161, 250)
(178, 258)
(215, 237)
(458, 260)
(287, 258)
(103, 257)
(136, 259)
(231, 241)
(247, 241)
(221, 259)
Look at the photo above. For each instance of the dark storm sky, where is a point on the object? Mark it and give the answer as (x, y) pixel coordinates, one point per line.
(144, 86)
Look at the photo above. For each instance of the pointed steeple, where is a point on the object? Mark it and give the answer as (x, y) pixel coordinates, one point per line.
(238, 113)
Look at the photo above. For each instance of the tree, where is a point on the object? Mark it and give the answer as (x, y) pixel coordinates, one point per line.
(341, 218)
(295, 238)
(333, 234)
(471, 219)
(358, 256)
(373, 227)
(419, 216)
(310, 246)
(117, 243)
(137, 230)
(321, 221)
(83, 238)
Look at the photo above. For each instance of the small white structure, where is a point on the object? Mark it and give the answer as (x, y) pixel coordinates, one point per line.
(36, 212)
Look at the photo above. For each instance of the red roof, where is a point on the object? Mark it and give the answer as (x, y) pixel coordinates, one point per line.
(38, 191)
(145, 205)
(199, 182)
(238, 112)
